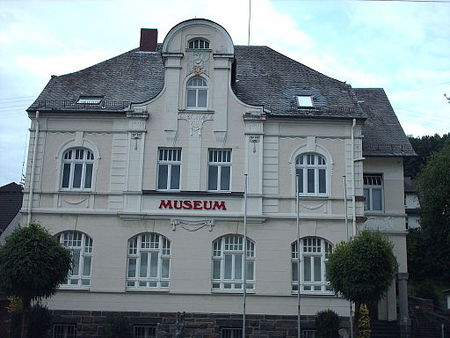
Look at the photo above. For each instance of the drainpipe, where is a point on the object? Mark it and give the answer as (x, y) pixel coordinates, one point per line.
(33, 166)
(353, 179)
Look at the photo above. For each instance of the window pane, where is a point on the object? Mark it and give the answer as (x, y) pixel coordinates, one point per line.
(66, 175)
(307, 268)
(317, 269)
(162, 176)
(202, 98)
(154, 264)
(144, 260)
(376, 199)
(225, 178)
(228, 262)
(175, 177)
(322, 181)
(212, 177)
(77, 175)
(366, 199)
(191, 98)
(310, 180)
(165, 268)
(250, 269)
(238, 266)
(294, 271)
(132, 267)
(216, 269)
(299, 173)
(76, 261)
(87, 266)
(88, 175)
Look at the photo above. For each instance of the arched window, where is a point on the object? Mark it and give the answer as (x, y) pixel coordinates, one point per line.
(228, 263)
(313, 255)
(77, 168)
(197, 93)
(80, 246)
(311, 170)
(198, 43)
(148, 261)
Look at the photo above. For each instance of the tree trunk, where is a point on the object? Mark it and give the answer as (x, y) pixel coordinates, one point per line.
(25, 312)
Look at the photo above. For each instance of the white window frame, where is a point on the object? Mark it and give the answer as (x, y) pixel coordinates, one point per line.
(77, 158)
(198, 43)
(305, 101)
(170, 158)
(306, 163)
(144, 331)
(314, 250)
(80, 246)
(64, 330)
(220, 159)
(229, 249)
(197, 85)
(372, 183)
(150, 244)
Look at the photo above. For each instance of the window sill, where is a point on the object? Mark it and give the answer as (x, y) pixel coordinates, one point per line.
(148, 290)
(73, 288)
(196, 110)
(193, 193)
(315, 293)
(232, 292)
(73, 191)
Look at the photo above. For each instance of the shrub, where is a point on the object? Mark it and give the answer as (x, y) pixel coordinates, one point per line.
(117, 326)
(327, 324)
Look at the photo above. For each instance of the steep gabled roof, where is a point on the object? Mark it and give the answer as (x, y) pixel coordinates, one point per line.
(11, 196)
(383, 134)
(263, 77)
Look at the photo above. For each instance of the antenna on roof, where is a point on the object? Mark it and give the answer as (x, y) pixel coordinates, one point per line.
(249, 18)
(448, 98)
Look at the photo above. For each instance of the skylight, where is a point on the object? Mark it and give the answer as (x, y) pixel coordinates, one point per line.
(90, 99)
(304, 101)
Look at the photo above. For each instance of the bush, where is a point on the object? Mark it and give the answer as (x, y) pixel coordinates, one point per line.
(327, 324)
(39, 322)
(427, 290)
(117, 326)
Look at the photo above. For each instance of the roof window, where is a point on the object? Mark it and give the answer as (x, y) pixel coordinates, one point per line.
(90, 99)
(304, 101)
(198, 43)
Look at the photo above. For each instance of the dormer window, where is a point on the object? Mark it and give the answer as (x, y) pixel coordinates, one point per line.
(90, 99)
(199, 44)
(305, 101)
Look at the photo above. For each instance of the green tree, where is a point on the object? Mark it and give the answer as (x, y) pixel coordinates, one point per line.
(424, 146)
(363, 268)
(434, 197)
(32, 265)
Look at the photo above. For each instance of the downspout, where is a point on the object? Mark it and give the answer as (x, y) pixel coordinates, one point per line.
(353, 180)
(33, 166)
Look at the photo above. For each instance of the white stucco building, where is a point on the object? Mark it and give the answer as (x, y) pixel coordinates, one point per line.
(137, 165)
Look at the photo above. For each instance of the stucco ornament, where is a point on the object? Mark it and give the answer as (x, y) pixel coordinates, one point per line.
(199, 62)
(379, 223)
(191, 225)
(196, 121)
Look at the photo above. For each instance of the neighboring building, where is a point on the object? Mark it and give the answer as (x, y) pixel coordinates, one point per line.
(412, 204)
(11, 197)
(139, 170)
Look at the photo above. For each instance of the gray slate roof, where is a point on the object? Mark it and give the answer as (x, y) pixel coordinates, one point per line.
(11, 196)
(264, 77)
(383, 134)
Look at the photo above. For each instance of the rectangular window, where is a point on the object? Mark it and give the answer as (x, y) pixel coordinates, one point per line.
(64, 331)
(231, 333)
(169, 168)
(219, 169)
(373, 192)
(144, 331)
(304, 101)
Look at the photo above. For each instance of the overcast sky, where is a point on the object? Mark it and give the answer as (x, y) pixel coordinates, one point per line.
(402, 46)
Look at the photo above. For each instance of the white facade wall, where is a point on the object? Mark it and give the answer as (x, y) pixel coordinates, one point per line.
(124, 200)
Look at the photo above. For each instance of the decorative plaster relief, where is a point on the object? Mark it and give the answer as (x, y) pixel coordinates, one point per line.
(136, 137)
(315, 206)
(379, 223)
(254, 139)
(195, 121)
(221, 137)
(78, 202)
(191, 225)
(199, 62)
